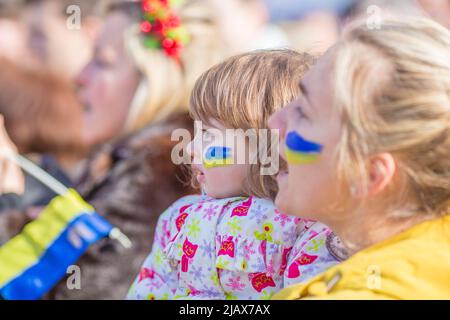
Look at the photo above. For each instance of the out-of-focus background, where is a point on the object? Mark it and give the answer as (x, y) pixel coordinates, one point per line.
(85, 100)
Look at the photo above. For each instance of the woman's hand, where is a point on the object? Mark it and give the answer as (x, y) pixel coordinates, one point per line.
(11, 177)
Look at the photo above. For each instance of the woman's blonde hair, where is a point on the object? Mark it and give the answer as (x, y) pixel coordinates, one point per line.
(243, 91)
(392, 87)
(166, 84)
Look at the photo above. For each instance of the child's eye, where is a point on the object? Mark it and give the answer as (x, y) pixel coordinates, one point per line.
(206, 133)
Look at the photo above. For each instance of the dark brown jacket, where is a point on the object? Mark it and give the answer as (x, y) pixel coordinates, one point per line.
(130, 182)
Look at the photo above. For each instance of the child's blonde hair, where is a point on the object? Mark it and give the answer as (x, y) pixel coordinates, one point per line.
(243, 91)
(392, 87)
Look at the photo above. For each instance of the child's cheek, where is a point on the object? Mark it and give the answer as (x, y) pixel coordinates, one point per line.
(224, 181)
(300, 151)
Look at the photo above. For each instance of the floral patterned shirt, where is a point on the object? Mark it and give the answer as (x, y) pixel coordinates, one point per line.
(234, 248)
(316, 250)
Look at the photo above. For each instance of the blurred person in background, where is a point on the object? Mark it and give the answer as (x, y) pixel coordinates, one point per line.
(37, 97)
(439, 10)
(315, 25)
(245, 25)
(11, 177)
(293, 10)
(61, 33)
(311, 26)
(12, 182)
(134, 97)
(375, 11)
(43, 117)
(13, 33)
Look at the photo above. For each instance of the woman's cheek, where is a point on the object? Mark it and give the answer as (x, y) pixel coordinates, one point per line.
(300, 150)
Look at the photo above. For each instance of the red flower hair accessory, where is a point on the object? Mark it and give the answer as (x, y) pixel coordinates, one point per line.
(162, 28)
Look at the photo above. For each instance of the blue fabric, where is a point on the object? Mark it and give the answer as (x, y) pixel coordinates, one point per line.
(36, 281)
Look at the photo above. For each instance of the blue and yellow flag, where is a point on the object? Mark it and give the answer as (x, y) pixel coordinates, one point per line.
(33, 262)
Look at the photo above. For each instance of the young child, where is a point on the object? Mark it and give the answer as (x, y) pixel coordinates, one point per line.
(231, 242)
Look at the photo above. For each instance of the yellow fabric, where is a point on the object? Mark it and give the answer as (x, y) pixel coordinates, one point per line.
(412, 265)
(25, 249)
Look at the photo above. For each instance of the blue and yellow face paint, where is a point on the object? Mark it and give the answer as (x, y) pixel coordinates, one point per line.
(217, 157)
(301, 151)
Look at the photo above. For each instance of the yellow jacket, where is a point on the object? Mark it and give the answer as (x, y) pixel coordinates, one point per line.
(412, 265)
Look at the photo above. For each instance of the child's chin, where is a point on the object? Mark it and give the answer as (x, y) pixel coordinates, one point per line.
(212, 193)
(281, 203)
(220, 194)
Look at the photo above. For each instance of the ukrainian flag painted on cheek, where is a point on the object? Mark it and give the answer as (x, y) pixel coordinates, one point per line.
(217, 157)
(301, 151)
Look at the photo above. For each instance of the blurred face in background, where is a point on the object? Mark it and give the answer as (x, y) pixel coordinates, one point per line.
(58, 48)
(107, 84)
(439, 10)
(13, 41)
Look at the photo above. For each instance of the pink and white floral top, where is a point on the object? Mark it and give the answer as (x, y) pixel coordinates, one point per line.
(234, 248)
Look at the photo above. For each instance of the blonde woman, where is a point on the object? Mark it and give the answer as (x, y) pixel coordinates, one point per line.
(377, 109)
(134, 98)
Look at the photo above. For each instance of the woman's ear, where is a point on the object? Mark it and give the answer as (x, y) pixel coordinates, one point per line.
(382, 169)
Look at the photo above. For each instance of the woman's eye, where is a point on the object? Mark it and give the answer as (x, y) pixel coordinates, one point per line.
(299, 112)
(101, 63)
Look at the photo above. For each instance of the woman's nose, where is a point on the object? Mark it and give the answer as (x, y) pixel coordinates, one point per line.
(83, 77)
(277, 122)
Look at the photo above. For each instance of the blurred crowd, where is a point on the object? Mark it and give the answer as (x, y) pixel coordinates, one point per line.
(85, 100)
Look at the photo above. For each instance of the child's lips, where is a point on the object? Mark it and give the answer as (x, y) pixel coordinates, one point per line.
(199, 173)
(200, 178)
(282, 176)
